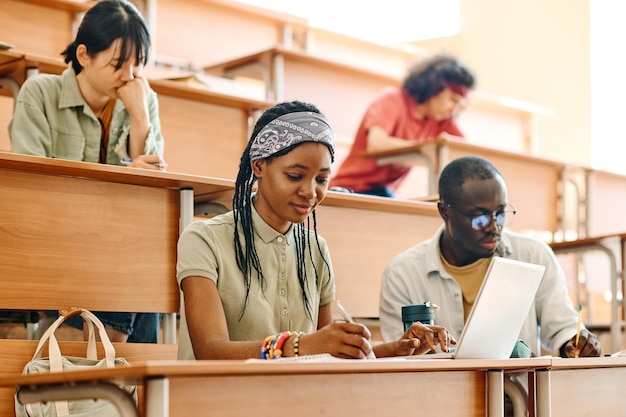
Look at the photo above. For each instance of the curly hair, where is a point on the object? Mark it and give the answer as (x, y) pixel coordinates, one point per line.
(428, 78)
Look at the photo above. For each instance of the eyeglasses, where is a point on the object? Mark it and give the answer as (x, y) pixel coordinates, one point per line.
(482, 221)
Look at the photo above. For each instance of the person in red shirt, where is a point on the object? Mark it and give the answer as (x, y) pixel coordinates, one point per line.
(424, 107)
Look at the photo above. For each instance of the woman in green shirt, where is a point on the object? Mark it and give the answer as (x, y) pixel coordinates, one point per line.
(101, 109)
(258, 281)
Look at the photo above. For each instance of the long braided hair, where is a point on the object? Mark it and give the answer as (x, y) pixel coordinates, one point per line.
(247, 257)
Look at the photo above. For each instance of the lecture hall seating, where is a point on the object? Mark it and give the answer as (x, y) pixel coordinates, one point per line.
(299, 47)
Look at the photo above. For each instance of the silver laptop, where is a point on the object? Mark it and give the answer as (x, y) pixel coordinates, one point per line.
(499, 312)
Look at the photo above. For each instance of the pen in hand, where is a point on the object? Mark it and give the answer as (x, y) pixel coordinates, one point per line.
(580, 319)
(344, 313)
(347, 317)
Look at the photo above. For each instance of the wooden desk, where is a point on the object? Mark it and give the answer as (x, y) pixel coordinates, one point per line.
(330, 388)
(532, 182)
(290, 75)
(9, 69)
(604, 203)
(241, 27)
(581, 387)
(114, 229)
(205, 132)
(364, 233)
(616, 271)
(321, 73)
(357, 227)
(40, 26)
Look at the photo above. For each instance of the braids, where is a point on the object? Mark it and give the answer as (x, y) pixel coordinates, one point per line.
(245, 250)
(303, 244)
(247, 258)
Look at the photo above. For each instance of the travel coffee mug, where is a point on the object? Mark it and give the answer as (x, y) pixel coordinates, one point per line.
(424, 313)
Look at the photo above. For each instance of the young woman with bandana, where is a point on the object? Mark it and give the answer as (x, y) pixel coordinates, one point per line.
(424, 107)
(258, 281)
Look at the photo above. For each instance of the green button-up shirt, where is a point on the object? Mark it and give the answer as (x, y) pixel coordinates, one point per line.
(52, 119)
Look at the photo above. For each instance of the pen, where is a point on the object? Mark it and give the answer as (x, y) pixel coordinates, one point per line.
(346, 316)
(128, 161)
(580, 319)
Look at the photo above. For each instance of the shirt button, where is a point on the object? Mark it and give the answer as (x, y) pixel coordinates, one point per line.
(282, 275)
(280, 239)
(282, 291)
(284, 312)
(283, 257)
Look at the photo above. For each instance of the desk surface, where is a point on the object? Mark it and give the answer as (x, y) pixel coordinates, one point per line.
(574, 385)
(202, 186)
(296, 56)
(139, 371)
(331, 388)
(14, 63)
(112, 229)
(467, 147)
(9, 55)
(532, 181)
(585, 242)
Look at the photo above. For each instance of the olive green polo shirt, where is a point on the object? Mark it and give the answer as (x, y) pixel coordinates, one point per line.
(206, 249)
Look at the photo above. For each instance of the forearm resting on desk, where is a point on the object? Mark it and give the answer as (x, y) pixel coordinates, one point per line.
(379, 140)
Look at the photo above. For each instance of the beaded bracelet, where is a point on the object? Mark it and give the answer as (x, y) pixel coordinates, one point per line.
(266, 346)
(272, 346)
(280, 342)
(296, 344)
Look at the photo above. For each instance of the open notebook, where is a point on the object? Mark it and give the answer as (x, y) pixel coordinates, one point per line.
(499, 312)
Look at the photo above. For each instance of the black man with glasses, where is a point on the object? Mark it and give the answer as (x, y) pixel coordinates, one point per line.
(449, 268)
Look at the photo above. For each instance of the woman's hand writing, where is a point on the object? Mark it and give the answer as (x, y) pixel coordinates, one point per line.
(340, 339)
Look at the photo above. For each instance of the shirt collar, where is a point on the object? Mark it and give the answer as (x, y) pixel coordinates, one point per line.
(72, 97)
(265, 231)
(433, 261)
(70, 92)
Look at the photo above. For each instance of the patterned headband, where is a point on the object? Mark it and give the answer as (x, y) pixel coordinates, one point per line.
(289, 130)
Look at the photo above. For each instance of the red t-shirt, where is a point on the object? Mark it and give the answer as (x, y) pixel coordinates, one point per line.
(394, 110)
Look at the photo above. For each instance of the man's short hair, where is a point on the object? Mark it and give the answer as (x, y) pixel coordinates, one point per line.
(461, 169)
